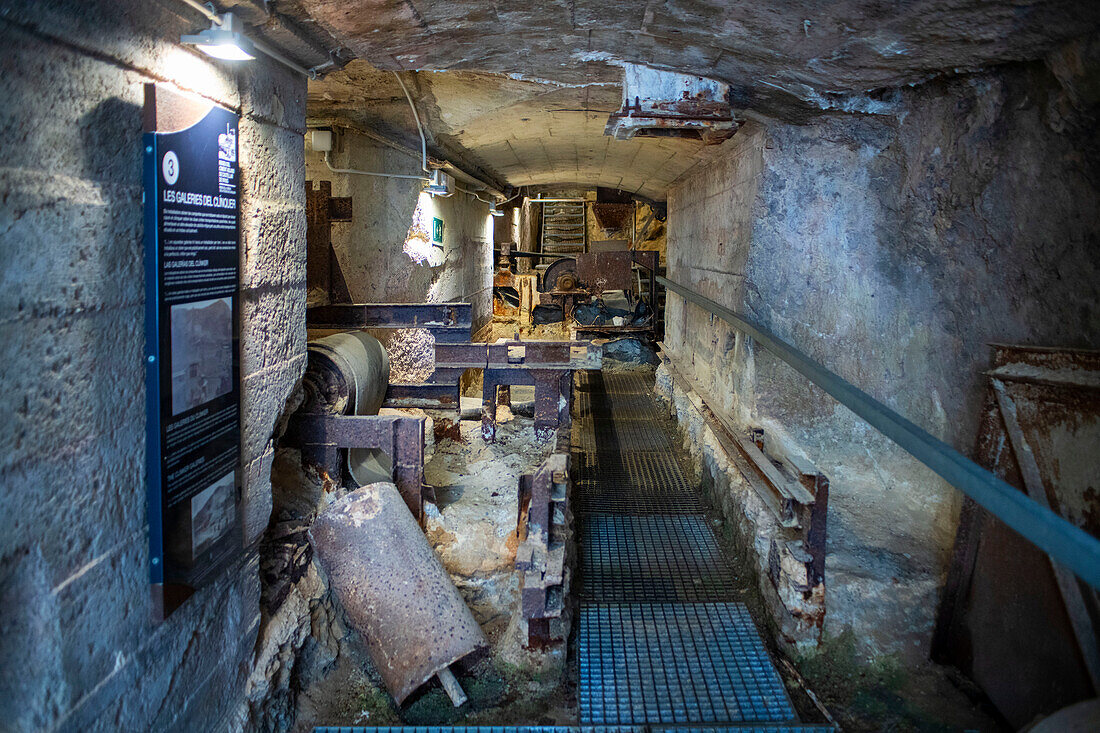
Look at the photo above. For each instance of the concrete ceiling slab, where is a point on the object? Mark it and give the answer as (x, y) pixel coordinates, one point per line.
(529, 87)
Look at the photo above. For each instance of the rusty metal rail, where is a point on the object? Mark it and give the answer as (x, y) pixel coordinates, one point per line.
(1063, 541)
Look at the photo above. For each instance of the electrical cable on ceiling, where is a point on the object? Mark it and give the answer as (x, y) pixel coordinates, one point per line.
(474, 194)
(497, 203)
(373, 173)
(419, 127)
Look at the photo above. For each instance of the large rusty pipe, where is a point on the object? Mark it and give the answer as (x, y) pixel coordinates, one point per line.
(348, 373)
(393, 589)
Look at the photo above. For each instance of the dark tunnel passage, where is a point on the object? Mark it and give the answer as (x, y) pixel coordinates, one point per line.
(399, 365)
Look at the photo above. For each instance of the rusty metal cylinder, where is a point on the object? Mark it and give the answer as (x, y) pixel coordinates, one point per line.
(347, 373)
(394, 591)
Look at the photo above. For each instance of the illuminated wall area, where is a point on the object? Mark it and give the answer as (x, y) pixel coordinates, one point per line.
(387, 253)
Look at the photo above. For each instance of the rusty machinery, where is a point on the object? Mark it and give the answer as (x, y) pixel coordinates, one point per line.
(542, 525)
(570, 281)
(546, 365)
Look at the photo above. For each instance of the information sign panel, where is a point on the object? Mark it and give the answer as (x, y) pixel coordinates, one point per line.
(192, 341)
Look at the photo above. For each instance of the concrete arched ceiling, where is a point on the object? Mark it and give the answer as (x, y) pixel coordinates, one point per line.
(539, 79)
(515, 131)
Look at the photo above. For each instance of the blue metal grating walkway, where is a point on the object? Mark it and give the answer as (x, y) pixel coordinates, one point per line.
(661, 640)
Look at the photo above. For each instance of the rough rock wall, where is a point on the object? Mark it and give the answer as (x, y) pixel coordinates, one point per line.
(893, 249)
(78, 647)
(385, 251)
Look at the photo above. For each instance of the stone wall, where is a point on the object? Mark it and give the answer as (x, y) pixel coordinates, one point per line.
(79, 649)
(385, 251)
(892, 249)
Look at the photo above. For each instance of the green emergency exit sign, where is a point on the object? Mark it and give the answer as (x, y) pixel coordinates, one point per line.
(437, 230)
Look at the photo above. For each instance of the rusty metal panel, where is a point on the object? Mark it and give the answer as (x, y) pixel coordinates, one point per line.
(1018, 624)
(322, 268)
(394, 591)
(602, 271)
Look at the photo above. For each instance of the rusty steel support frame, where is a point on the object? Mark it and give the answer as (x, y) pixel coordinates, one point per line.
(448, 322)
(542, 555)
(322, 268)
(323, 438)
(1063, 541)
(548, 365)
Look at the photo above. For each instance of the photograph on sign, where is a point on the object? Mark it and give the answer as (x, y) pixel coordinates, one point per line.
(212, 514)
(202, 352)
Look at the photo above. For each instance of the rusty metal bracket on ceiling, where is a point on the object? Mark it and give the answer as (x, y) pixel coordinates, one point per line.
(1063, 541)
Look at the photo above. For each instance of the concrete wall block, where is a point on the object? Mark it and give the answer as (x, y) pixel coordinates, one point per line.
(273, 244)
(72, 296)
(69, 245)
(272, 159)
(32, 687)
(264, 396)
(68, 380)
(274, 94)
(256, 504)
(105, 615)
(45, 501)
(137, 34)
(273, 327)
(212, 631)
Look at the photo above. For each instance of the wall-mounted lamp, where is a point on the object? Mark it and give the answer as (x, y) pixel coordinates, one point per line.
(224, 39)
(437, 186)
(494, 210)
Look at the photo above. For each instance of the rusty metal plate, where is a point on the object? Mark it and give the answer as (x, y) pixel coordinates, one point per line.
(394, 591)
(602, 271)
(1008, 617)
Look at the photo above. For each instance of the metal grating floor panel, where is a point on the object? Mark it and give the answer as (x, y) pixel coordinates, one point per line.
(647, 470)
(652, 558)
(629, 406)
(617, 436)
(675, 663)
(606, 490)
(628, 382)
(574, 729)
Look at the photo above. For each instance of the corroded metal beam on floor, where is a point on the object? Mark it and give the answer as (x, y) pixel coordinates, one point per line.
(1063, 541)
(448, 322)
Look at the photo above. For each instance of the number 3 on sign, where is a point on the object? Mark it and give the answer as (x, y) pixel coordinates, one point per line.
(170, 167)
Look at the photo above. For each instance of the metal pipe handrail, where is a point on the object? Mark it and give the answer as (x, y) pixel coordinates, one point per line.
(1066, 543)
